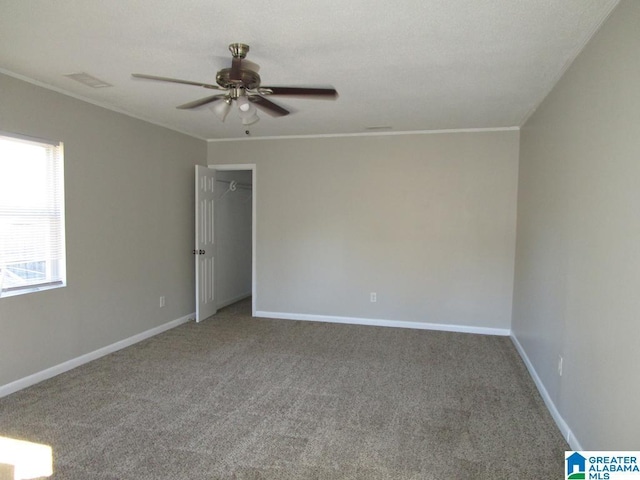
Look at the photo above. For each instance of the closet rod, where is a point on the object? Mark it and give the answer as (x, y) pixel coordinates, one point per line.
(245, 185)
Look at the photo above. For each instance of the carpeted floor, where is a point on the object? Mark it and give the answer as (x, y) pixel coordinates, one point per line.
(242, 398)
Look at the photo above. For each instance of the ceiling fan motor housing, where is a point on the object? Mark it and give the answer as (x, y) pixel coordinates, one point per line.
(248, 79)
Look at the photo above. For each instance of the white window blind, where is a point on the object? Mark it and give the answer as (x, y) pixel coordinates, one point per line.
(32, 247)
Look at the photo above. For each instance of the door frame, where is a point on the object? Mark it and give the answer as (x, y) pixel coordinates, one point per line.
(252, 167)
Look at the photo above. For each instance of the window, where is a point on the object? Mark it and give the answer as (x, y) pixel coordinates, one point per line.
(32, 251)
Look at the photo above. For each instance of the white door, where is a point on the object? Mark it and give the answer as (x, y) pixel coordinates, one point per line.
(205, 247)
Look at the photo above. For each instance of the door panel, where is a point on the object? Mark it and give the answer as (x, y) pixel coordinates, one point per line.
(205, 243)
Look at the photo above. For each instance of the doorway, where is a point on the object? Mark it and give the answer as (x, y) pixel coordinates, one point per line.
(235, 233)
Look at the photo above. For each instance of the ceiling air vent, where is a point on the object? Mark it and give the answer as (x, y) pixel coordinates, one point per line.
(88, 80)
(379, 127)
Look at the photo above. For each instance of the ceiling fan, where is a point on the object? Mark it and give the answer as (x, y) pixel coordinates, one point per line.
(241, 83)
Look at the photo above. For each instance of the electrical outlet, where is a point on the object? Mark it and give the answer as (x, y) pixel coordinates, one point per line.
(374, 297)
(162, 301)
(560, 365)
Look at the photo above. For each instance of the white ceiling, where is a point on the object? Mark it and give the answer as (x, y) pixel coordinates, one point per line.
(413, 65)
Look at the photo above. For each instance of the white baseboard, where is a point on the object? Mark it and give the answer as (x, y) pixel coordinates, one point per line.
(235, 299)
(566, 431)
(376, 322)
(87, 357)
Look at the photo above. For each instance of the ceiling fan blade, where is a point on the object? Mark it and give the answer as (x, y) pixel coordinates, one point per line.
(324, 93)
(248, 64)
(176, 80)
(201, 102)
(268, 106)
(221, 62)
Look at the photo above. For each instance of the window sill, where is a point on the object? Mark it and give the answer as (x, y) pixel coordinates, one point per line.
(22, 291)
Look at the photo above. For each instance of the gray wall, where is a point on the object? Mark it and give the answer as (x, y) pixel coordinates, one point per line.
(129, 227)
(425, 221)
(578, 256)
(233, 238)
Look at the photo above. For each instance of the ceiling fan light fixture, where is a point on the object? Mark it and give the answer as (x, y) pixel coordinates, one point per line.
(243, 104)
(250, 120)
(250, 117)
(222, 109)
(247, 111)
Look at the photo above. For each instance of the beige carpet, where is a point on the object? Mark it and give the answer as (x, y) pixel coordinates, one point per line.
(242, 398)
